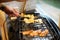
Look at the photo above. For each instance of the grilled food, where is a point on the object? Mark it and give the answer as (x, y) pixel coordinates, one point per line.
(27, 32)
(31, 18)
(39, 31)
(22, 14)
(27, 16)
(39, 21)
(34, 33)
(28, 20)
(44, 33)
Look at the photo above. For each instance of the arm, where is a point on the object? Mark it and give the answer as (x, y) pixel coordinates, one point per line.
(9, 10)
(10, 0)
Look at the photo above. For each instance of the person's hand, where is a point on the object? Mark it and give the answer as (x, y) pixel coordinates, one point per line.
(11, 11)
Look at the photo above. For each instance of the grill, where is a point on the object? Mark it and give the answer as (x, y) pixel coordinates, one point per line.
(47, 24)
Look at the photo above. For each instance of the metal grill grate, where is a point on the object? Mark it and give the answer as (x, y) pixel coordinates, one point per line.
(22, 26)
(36, 26)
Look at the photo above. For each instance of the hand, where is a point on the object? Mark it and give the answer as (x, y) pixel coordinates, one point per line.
(11, 11)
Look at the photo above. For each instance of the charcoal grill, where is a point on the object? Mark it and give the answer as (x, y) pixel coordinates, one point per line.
(54, 31)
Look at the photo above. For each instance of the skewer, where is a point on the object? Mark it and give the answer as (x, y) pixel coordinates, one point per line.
(23, 8)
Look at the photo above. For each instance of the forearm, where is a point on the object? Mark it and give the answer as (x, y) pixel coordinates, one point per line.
(9, 10)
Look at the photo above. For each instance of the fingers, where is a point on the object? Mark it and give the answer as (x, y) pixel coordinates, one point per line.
(11, 11)
(16, 12)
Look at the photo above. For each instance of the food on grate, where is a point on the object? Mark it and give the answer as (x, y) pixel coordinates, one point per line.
(27, 15)
(27, 32)
(31, 20)
(13, 18)
(39, 31)
(39, 20)
(34, 33)
(22, 14)
(44, 33)
(26, 20)
(32, 17)
(36, 20)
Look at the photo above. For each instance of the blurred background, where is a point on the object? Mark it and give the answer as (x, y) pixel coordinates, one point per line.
(50, 8)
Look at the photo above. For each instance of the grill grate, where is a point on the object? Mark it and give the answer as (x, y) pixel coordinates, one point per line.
(22, 26)
(36, 26)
